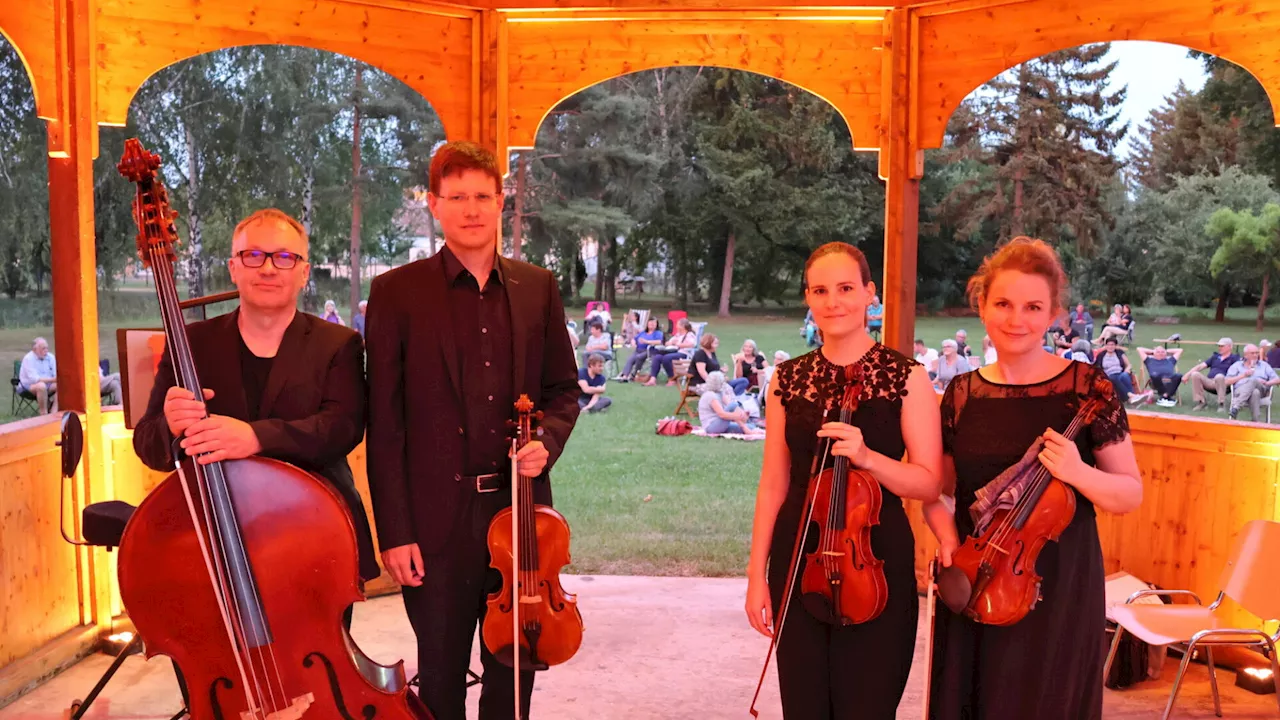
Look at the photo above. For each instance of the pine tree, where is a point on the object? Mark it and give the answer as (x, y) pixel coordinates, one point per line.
(1049, 129)
(1183, 137)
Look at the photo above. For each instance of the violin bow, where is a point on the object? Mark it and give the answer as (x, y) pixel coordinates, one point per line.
(931, 604)
(515, 570)
(802, 534)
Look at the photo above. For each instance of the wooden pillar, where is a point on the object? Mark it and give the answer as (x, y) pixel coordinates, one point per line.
(493, 118)
(73, 144)
(901, 166)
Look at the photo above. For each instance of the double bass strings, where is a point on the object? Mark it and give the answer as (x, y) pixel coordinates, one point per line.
(275, 696)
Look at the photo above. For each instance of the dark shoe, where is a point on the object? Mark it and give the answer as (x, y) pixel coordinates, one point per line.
(1231, 415)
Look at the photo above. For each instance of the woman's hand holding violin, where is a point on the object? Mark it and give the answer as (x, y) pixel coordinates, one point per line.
(848, 442)
(1061, 457)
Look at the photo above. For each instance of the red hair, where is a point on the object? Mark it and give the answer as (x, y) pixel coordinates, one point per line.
(456, 158)
(1025, 255)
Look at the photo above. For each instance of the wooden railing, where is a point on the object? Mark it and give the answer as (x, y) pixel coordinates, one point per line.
(1203, 479)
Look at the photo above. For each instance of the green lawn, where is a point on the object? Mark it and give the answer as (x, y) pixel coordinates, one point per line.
(639, 503)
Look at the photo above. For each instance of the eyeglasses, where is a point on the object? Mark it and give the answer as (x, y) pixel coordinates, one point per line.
(482, 198)
(281, 259)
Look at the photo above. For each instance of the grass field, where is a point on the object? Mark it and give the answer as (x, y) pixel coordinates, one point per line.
(639, 503)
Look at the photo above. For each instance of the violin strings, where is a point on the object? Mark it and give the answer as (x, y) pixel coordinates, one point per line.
(804, 536)
(1005, 529)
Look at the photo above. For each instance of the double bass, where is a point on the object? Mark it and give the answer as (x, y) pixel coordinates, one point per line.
(992, 578)
(843, 582)
(531, 623)
(220, 568)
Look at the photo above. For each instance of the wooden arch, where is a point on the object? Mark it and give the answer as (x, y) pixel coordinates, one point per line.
(30, 33)
(959, 51)
(548, 57)
(430, 51)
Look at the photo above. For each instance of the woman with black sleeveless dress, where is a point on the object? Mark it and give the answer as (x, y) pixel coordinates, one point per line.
(1047, 666)
(828, 672)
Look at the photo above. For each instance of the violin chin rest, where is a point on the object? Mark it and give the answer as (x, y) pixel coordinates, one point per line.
(954, 588)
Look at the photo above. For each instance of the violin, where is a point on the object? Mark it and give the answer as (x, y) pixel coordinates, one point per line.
(843, 582)
(992, 579)
(219, 566)
(531, 622)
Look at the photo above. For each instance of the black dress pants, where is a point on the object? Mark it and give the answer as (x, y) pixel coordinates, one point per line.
(445, 611)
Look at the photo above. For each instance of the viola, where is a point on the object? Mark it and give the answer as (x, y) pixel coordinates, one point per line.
(992, 579)
(219, 566)
(843, 582)
(531, 622)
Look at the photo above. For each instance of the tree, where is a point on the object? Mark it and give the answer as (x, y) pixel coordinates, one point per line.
(1235, 96)
(1184, 137)
(1049, 130)
(1181, 249)
(1250, 247)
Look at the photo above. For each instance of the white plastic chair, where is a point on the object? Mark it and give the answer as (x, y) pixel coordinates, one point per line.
(1251, 578)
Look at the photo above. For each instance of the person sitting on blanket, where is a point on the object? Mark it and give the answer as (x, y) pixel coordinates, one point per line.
(719, 411)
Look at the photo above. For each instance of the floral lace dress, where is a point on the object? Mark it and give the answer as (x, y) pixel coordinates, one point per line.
(1048, 666)
(857, 671)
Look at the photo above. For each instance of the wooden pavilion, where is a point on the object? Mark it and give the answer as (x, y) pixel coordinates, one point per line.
(492, 69)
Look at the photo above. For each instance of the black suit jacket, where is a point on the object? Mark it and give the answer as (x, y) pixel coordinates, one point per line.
(416, 443)
(313, 405)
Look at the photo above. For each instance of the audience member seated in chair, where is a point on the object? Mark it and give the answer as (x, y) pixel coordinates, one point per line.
(1113, 362)
(950, 364)
(1081, 321)
(1216, 380)
(928, 357)
(718, 409)
(681, 345)
(592, 381)
(749, 365)
(109, 384)
(645, 344)
(597, 342)
(706, 362)
(1162, 369)
(1251, 380)
(1117, 326)
(39, 376)
(630, 328)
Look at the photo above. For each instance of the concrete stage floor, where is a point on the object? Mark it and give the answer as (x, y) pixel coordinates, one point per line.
(655, 648)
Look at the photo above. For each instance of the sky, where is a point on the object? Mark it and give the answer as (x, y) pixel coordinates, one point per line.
(1152, 71)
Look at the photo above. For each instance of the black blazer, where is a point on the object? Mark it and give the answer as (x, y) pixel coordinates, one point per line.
(415, 406)
(313, 404)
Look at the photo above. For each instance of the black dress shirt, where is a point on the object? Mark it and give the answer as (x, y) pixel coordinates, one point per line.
(482, 328)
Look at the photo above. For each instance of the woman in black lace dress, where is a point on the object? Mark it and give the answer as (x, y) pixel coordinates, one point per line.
(1048, 666)
(827, 672)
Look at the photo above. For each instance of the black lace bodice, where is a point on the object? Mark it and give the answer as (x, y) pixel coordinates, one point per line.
(987, 426)
(811, 385)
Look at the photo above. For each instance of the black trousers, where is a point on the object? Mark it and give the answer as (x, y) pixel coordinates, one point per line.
(445, 611)
(1167, 385)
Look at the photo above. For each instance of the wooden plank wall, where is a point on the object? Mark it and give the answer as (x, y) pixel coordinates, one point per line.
(1202, 481)
(45, 621)
(40, 575)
